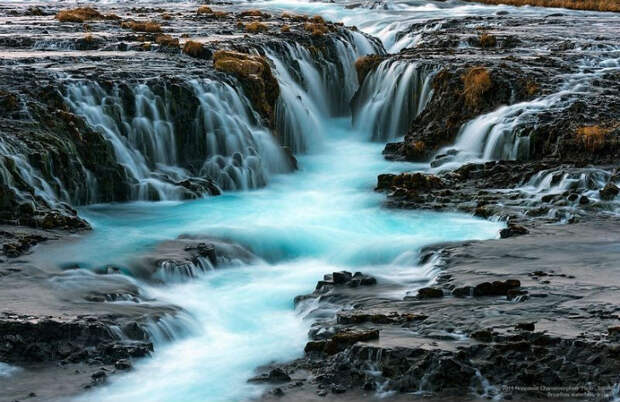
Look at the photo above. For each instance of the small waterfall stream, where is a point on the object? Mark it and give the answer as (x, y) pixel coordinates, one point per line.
(390, 97)
(225, 139)
(496, 135)
(19, 177)
(313, 88)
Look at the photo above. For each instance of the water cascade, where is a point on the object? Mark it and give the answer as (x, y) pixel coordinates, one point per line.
(390, 98)
(503, 133)
(161, 153)
(313, 88)
(23, 180)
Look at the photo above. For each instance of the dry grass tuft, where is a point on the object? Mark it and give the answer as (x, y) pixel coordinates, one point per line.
(83, 14)
(316, 29)
(318, 19)
(595, 5)
(592, 137)
(241, 64)
(149, 26)
(166, 17)
(531, 87)
(167, 40)
(487, 40)
(204, 10)
(253, 13)
(476, 81)
(193, 48)
(79, 14)
(285, 28)
(256, 27)
(365, 64)
(419, 146)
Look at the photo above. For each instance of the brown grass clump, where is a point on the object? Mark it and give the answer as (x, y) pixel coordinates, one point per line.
(595, 5)
(204, 10)
(149, 26)
(253, 13)
(365, 64)
(193, 48)
(592, 137)
(316, 29)
(287, 15)
(88, 38)
(256, 27)
(531, 88)
(487, 40)
(79, 14)
(167, 40)
(220, 14)
(238, 63)
(166, 17)
(285, 28)
(419, 146)
(476, 81)
(318, 19)
(83, 14)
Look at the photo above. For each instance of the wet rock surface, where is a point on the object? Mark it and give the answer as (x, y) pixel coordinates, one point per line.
(520, 192)
(67, 331)
(511, 311)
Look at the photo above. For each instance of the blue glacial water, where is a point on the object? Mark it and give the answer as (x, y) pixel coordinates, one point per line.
(324, 218)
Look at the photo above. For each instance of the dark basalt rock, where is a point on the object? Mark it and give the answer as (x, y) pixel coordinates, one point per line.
(274, 376)
(429, 293)
(341, 340)
(609, 192)
(513, 230)
(337, 280)
(79, 340)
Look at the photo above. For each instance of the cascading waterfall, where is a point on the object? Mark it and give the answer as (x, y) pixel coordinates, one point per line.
(237, 152)
(390, 98)
(496, 135)
(313, 88)
(585, 181)
(240, 153)
(23, 180)
(493, 136)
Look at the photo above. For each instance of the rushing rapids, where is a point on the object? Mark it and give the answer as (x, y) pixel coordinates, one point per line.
(208, 284)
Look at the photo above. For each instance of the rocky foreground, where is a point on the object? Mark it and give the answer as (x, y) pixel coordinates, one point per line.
(518, 318)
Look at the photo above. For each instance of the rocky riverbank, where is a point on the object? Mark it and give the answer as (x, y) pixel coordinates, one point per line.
(504, 318)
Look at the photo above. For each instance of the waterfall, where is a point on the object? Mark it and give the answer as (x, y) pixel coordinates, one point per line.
(314, 88)
(240, 153)
(390, 97)
(498, 136)
(494, 136)
(25, 182)
(168, 158)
